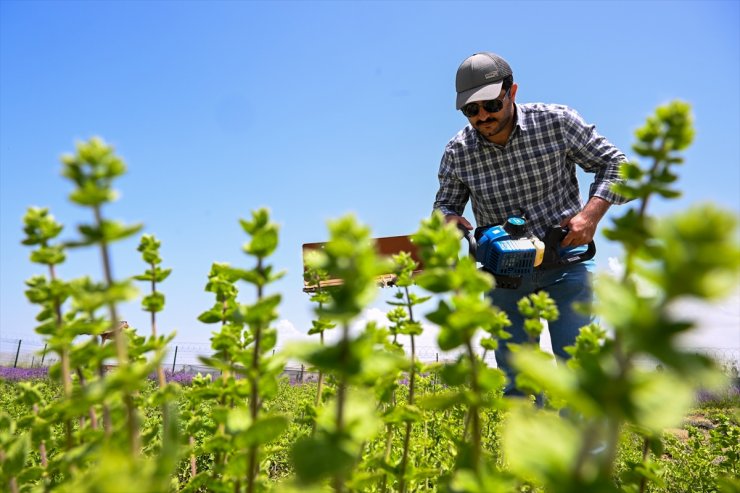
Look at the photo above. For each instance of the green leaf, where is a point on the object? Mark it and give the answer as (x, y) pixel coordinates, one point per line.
(405, 413)
(265, 430)
(40, 226)
(661, 400)
(262, 312)
(108, 231)
(264, 234)
(269, 339)
(89, 195)
(263, 243)
(49, 255)
(442, 400)
(238, 421)
(212, 316)
(16, 454)
(161, 274)
(439, 280)
(490, 379)
(153, 302)
(455, 374)
(441, 314)
(539, 445)
(316, 458)
(449, 339)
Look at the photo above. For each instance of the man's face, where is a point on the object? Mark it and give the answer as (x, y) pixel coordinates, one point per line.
(496, 127)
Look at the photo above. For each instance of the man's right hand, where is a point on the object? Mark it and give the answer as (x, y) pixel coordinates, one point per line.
(451, 218)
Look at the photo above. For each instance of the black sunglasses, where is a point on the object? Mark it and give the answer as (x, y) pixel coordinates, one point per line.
(491, 106)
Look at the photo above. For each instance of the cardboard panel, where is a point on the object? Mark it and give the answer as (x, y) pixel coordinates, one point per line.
(386, 246)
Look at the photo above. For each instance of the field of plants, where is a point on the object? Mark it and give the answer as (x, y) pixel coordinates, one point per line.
(377, 419)
(695, 456)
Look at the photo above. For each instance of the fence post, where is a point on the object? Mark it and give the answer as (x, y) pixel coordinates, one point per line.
(43, 355)
(17, 352)
(174, 360)
(436, 372)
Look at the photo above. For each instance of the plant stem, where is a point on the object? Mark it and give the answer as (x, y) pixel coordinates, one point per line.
(319, 391)
(120, 338)
(412, 376)
(645, 452)
(219, 456)
(586, 446)
(387, 454)
(64, 356)
(474, 408)
(404, 458)
(653, 169)
(624, 365)
(320, 385)
(193, 466)
(254, 391)
(412, 379)
(160, 370)
(388, 443)
(341, 399)
(42, 445)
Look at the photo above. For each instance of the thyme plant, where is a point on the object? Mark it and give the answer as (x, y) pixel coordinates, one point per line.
(343, 429)
(154, 301)
(383, 423)
(248, 373)
(689, 254)
(460, 316)
(315, 277)
(405, 323)
(73, 314)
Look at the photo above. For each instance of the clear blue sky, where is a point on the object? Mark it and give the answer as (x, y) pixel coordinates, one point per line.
(316, 109)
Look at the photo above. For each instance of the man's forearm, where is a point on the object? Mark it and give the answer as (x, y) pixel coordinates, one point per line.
(459, 220)
(583, 225)
(596, 208)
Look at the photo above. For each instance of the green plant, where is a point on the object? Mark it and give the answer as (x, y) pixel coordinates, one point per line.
(154, 301)
(241, 349)
(73, 314)
(315, 276)
(331, 452)
(690, 254)
(378, 420)
(459, 317)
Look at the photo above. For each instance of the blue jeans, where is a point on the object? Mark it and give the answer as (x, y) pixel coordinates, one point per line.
(565, 285)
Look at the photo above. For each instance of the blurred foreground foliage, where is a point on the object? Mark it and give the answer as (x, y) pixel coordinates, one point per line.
(378, 419)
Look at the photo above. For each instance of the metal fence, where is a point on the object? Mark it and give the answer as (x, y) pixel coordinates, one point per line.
(180, 356)
(184, 356)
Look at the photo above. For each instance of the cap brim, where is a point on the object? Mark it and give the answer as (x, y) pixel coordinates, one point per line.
(482, 93)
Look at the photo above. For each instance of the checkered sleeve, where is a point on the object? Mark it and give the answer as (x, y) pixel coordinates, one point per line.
(594, 154)
(453, 194)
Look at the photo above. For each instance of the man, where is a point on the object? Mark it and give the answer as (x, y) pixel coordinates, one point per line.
(520, 160)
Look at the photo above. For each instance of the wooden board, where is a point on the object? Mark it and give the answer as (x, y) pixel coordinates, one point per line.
(386, 246)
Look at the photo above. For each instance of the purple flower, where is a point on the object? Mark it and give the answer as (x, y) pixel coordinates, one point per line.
(729, 395)
(181, 377)
(20, 374)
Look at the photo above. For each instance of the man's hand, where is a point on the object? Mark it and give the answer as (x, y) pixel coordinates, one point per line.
(582, 226)
(451, 218)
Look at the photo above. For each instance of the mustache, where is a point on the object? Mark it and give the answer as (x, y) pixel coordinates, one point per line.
(487, 120)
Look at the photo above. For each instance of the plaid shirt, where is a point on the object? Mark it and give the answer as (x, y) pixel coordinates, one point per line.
(533, 175)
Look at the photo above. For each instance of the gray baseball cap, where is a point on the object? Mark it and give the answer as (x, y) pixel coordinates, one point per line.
(480, 78)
